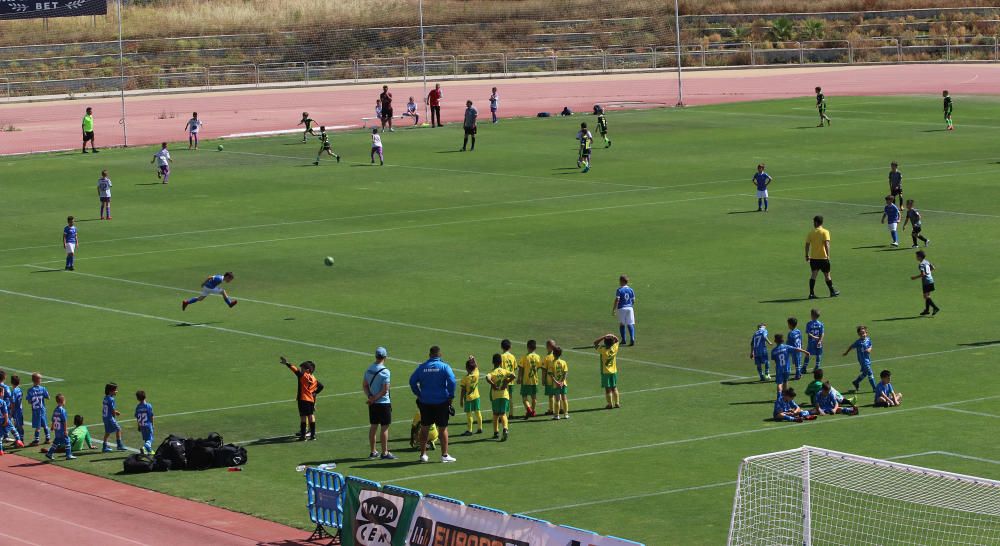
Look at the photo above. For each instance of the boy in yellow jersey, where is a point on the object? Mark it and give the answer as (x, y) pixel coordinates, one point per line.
(527, 377)
(560, 373)
(500, 379)
(607, 347)
(547, 362)
(469, 397)
(509, 364)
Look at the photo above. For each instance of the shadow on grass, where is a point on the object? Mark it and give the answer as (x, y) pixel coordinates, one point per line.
(365, 165)
(291, 438)
(871, 212)
(47, 270)
(743, 382)
(566, 169)
(893, 319)
(88, 220)
(981, 343)
(185, 324)
(808, 127)
(149, 184)
(786, 300)
(743, 211)
(751, 402)
(449, 151)
(867, 247)
(934, 131)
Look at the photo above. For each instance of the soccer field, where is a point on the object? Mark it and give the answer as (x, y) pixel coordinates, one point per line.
(462, 249)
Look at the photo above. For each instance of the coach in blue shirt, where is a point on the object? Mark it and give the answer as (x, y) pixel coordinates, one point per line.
(433, 382)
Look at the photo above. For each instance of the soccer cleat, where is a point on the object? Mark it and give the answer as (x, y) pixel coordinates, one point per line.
(496, 435)
(505, 435)
(389, 457)
(448, 459)
(315, 162)
(70, 457)
(555, 417)
(894, 244)
(467, 433)
(48, 441)
(184, 305)
(586, 169)
(33, 444)
(19, 443)
(799, 419)
(609, 406)
(936, 311)
(71, 268)
(856, 385)
(767, 377)
(106, 450)
(391, 130)
(338, 159)
(618, 406)
(835, 293)
(925, 312)
(96, 151)
(812, 296)
(810, 417)
(109, 218)
(311, 438)
(914, 246)
(49, 456)
(233, 304)
(927, 243)
(86, 152)
(300, 437)
(373, 455)
(566, 416)
(423, 458)
(480, 431)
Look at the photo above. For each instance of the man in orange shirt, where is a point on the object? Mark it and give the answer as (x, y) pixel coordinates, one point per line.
(309, 387)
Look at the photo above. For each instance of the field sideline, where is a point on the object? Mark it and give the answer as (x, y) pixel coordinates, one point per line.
(461, 250)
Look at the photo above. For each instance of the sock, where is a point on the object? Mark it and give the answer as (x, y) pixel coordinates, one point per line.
(312, 428)
(192, 300)
(227, 300)
(496, 425)
(927, 305)
(479, 419)
(607, 140)
(504, 422)
(767, 368)
(829, 284)
(527, 406)
(922, 238)
(616, 398)
(931, 303)
(552, 403)
(68, 262)
(565, 405)
(760, 370)
(631, 333)
(468, 420)
(473, 143)
(52, 449)
(765, 204)
(607, 396)
(465, 141)
(302, 429)
(46, 429)
(871, 381)
(119, 441)
(104, 444)
(621, 330)
(69, 449)
(36, 434)
(109, 210)
(895, 237)
(812, 286)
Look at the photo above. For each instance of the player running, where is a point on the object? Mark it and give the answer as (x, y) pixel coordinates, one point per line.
(947, 111)
(926, 276)
(308, 122)
(821, 107)
(761, 180)
(162, 159)
(602, 124)
(212, 285)
(586, 144)
(192, 127)
(325, 147)
(377, 147)
(915, 219)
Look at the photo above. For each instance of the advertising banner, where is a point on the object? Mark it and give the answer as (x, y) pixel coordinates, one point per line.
(374, 518)
(34, 9)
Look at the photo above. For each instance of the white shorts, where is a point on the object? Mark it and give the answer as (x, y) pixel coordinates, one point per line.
(892, 226)
(761, 193)
(70, 248)
(206, 291)
(626, 316)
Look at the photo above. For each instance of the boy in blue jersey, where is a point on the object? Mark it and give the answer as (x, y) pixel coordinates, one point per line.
(144, 420)
(758, 352)
(795, 340)
(16, 399)
(891, 213)
(761, 180)
(828, 403)
(37, 395)
(5, 398)
(60, 430)
(885, 395)
(213, 285)
(70, 239)
(785, 409)
(863, 347)
(782, 356)
(815, 332)
(110, 413)
(623, 307)
(7, 426)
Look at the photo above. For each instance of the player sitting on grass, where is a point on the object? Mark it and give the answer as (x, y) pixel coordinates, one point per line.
(308, 122)
(758, 352)
(891, 213)
(607, 347)
(162, 159)
(827, 403)
(602, 125)
(110, 414)
(761, 180)
(500, 380)
(432, 434)
(411, 111)
(469, 396)
(863, 347)
(377, 147)
(527, 378)
(305, 396)
(947, 111)
(816, 386)
(37, 395)
(79, 437)
(144, 421)
(821, 107)
(586, 144)
(560, 375)
(885, 395)
(325, 146)
(782, 356)
(59, 430)
(914, 218)
(785, 409)
(212, 285)
(926, 275)
(795, 340)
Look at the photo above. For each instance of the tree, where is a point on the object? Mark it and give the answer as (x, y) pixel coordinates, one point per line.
(781, 29)
(812, 29)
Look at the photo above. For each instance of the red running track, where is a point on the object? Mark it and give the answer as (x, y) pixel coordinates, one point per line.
(57, 505)
(152, 119)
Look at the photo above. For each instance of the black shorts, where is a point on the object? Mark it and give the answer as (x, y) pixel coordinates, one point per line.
(306, 408)
(386, 113)
(898, 190)
(87, 136)
(380, 414)
(470, 130)
(433, 414)
(819, 265)
(928, 288)
(105, 200)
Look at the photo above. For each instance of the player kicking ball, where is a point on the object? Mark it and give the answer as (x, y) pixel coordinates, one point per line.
(212, 285)
(325, 139)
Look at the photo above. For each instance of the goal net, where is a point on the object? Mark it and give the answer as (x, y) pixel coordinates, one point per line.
(818, 497)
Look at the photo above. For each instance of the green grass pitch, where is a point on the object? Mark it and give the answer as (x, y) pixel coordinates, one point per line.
(462, 249)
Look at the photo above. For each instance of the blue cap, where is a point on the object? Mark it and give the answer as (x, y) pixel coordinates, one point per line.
(380, 352)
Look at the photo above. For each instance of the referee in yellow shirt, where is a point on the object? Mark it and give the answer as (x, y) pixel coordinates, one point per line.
(88, 130)
(818, 256)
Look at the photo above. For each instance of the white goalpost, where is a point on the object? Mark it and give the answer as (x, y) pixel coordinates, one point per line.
(818, 497)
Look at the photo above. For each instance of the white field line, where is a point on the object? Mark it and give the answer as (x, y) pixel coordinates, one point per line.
(720, 484)
(721, 435)
(340, 218)
(19, 540)
(282, 132)
(390, 322)
(26, 377)
(860, 120)
(875, 207)
(206, 326)
(968, 412)
(400, 228)
(63, 520)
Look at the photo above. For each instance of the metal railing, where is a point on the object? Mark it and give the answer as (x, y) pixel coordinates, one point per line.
(70, 81)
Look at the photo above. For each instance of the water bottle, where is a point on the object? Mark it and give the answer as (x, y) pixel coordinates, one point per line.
(235, 469)
(327, 466)
(300, 468)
